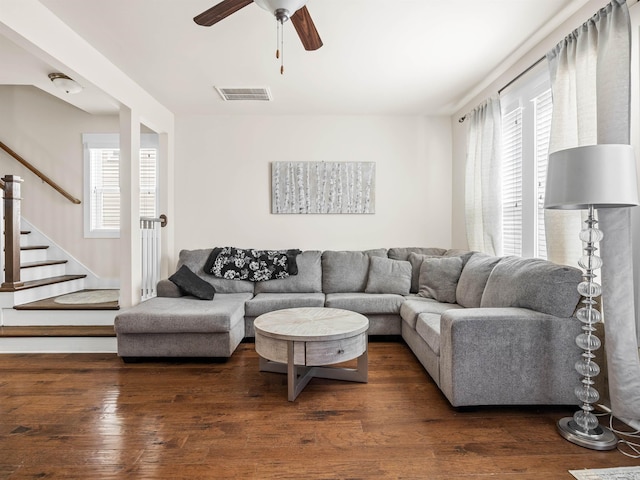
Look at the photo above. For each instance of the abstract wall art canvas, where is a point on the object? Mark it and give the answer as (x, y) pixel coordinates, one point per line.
(323, 187)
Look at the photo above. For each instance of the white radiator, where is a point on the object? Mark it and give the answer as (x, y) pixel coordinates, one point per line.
(150, 236)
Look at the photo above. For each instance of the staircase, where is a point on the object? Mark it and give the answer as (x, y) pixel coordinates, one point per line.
(34, 272)
(31, 319)
(42, 277)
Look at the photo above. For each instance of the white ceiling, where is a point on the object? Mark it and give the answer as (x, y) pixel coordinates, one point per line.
(379, 56)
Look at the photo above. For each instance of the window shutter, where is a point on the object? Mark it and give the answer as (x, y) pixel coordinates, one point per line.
(543, 111)
(105, 188)
(512, 182)
(148, 176)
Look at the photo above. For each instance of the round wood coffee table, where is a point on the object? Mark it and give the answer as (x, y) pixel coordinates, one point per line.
(301, 341)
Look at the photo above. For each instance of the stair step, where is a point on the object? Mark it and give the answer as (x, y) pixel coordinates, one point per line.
(13, 317)
(58, 339)
(50, 304)
(50, 286)
(59, 331)
(43, 282)
(42, 269)
(44, 263)
(30, 255)
(34, 247)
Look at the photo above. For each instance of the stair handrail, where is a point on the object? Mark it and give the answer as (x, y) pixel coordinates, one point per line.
(41, 175)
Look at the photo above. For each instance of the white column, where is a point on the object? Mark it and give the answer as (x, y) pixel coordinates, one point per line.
(166, 192)
(130, 256)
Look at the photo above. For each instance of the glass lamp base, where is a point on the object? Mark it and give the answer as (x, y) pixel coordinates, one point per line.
(600, 438)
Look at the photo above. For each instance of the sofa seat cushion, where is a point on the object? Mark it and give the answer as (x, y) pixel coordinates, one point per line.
(347, 271)
(308, 279)
(268, 302)
(414, 306)
(183, 315)
(535, 284)
(365, 303)
(428, 327)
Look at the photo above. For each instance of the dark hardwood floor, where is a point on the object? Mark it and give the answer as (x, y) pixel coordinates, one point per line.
(90, 416)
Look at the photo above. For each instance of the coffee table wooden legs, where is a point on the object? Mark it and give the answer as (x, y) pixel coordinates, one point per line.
(298, 376)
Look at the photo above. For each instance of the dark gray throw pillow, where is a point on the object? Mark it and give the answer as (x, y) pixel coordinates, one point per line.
(192, 284)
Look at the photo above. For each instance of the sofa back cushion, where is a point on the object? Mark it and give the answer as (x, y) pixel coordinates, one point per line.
(535, 284)
(308, 279)
(195, 260)
(347, 271)
(474, 278)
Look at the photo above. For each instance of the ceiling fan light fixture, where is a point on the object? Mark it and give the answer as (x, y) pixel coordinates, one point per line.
(282, 9)
(65, 83)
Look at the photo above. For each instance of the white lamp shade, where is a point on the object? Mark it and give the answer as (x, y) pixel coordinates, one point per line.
(271, 6)
(601, 176)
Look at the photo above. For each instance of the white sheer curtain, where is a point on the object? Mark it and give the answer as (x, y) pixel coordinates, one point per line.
(590, 78)
(483, 202)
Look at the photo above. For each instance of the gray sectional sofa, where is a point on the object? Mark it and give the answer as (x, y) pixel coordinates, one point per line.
(488, 330)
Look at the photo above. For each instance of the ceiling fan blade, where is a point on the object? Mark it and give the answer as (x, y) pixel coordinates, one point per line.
(220, 11)
(306, 29)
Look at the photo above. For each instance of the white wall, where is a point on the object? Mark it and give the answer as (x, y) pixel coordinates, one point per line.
(458, 159)
(223, 182)
(47, 132)
(222, 178)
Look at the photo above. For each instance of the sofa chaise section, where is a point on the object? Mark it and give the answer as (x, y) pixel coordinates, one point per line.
(175, 324)
(182, 327)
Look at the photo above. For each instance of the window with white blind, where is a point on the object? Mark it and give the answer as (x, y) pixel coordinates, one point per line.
(148, 183)
(102, 182)
(512, 182)
(543, 105)
(526, 124)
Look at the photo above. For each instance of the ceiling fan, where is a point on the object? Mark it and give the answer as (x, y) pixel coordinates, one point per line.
(283, 10)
